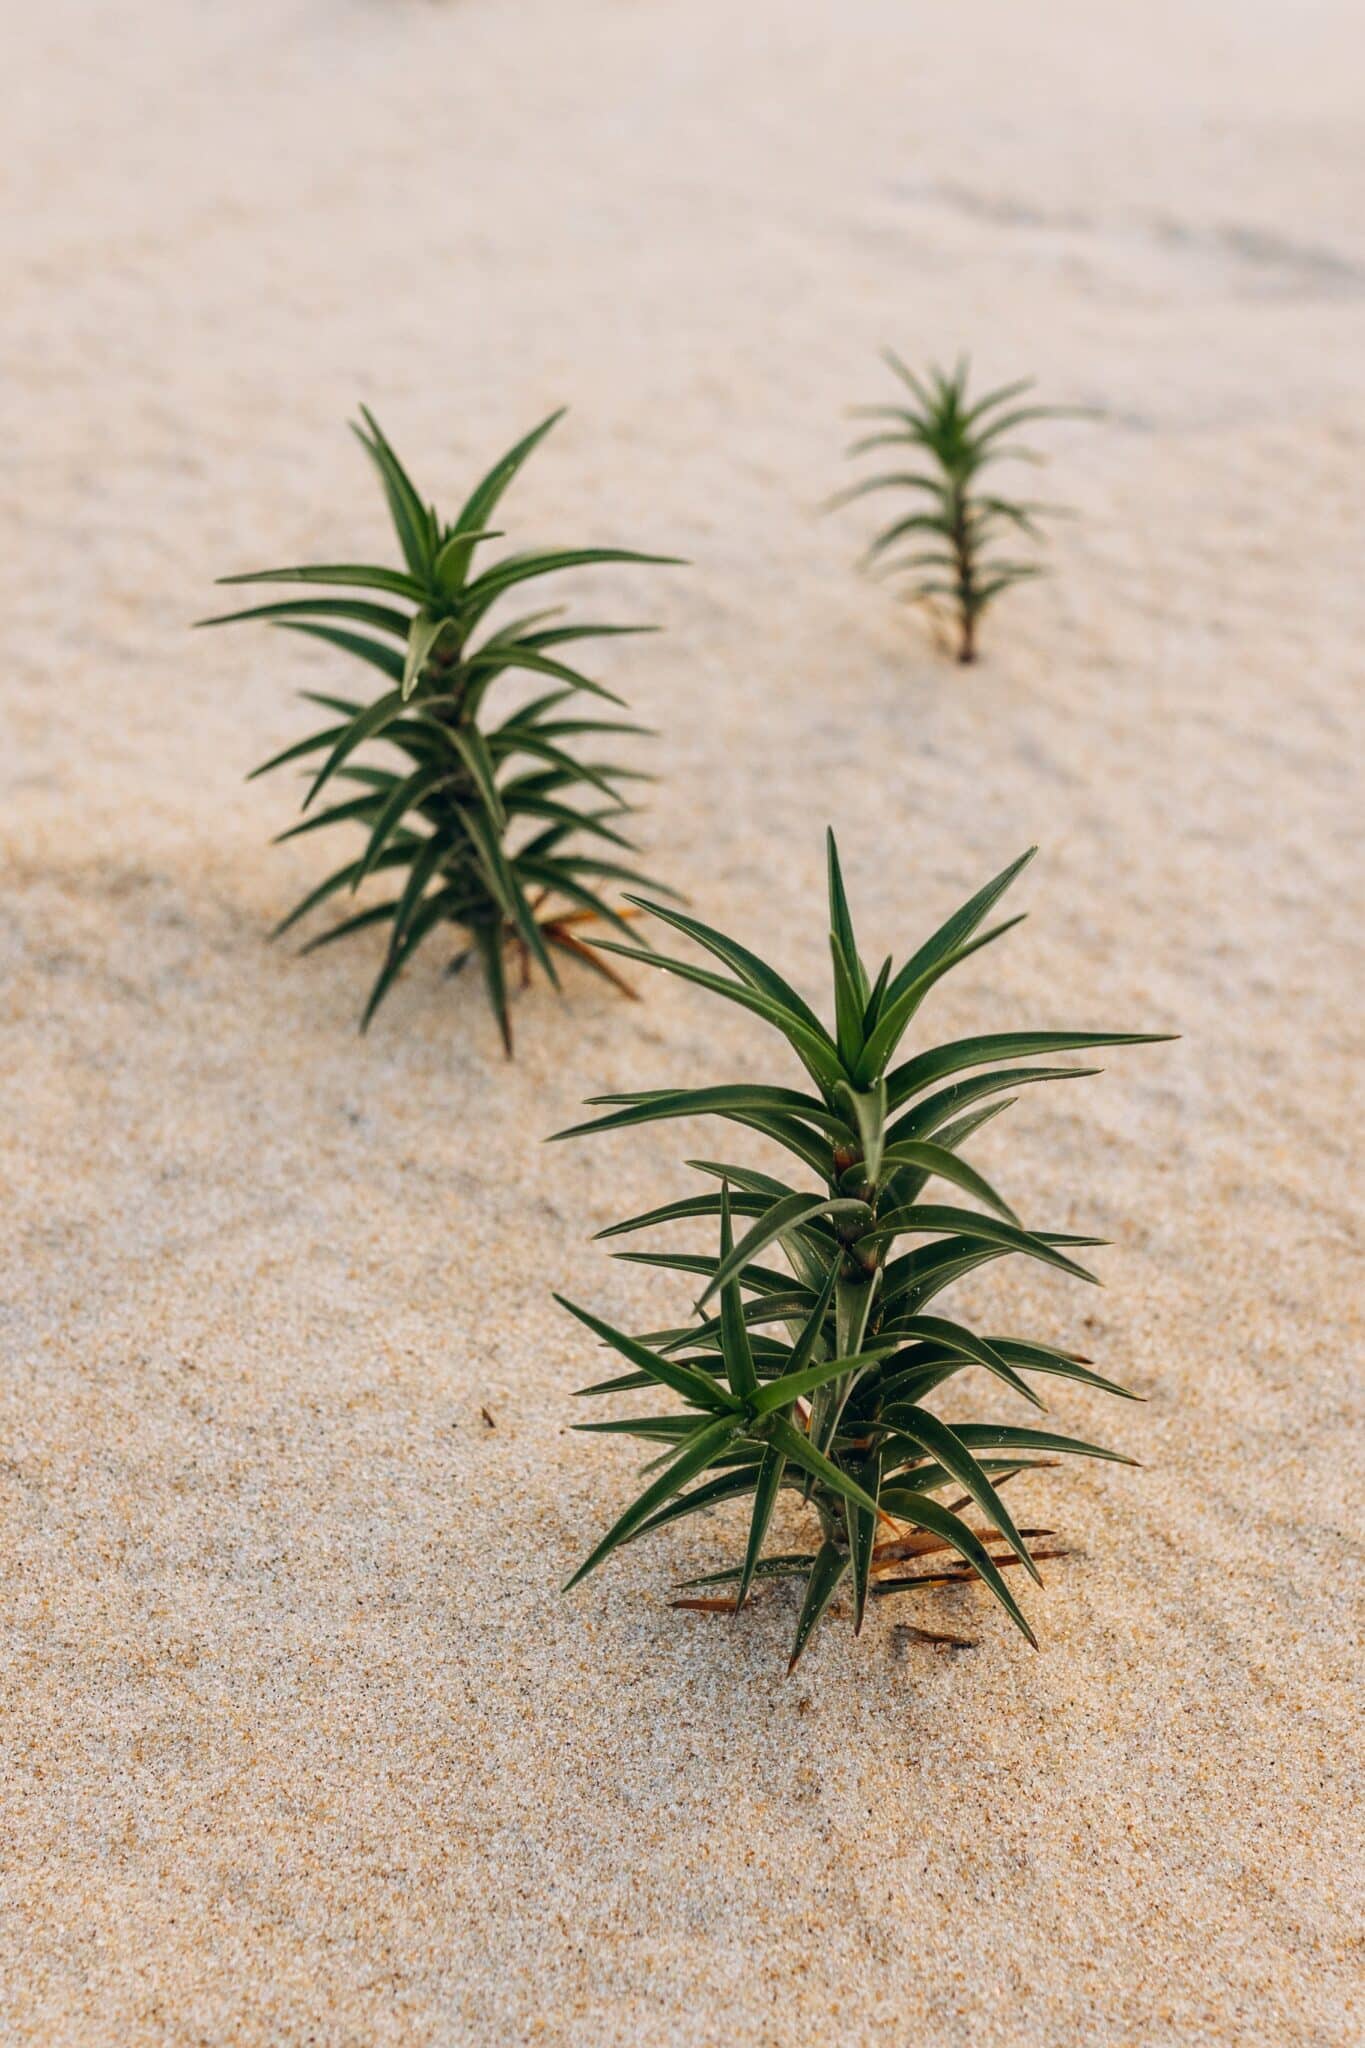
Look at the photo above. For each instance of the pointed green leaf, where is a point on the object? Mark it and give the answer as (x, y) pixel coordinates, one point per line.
(745, 964)
(941, 1060)
(1064, 1364)
(815, 1051)
(937, 1160)
(412, 522)
(785, 1215)
(725, 1100)
(991, 1436)
(850, 1005)
(731, 1483)
(423, 636)
(697, 1387)
(931, 1216)
(842, 921)
(381, 618)
(900, 1006)
(954, 1337)
(766, 1489)
(482, 501)
(410, 926)
(485, 589)
(739, 1359)
(801, 1451)
(706, 1442)
(826, 1575)
(947, 1448)
(387, 660)
(488, 941)
(869, 1113)
(925, 1513)
(352, 575)
(862, 1537)
(960, 926)
(472, 748)
(371, 721)
(780, 1393)
(405, 797)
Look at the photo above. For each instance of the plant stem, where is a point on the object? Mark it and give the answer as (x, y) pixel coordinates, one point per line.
(966, 593)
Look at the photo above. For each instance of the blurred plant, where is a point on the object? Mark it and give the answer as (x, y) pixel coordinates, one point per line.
(477, 825)
(816, 1377)
(954, 523)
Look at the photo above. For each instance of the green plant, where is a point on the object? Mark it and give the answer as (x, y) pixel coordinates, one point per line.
(479, 824)
(814, 1375)
(954, 523)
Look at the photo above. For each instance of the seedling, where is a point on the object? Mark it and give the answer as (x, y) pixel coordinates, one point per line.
(816, 1342)
(955, 523)
(481, 825)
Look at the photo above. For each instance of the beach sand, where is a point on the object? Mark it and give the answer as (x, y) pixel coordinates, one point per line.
(301, 1742)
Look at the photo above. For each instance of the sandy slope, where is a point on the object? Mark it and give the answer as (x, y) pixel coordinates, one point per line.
(302, 1744)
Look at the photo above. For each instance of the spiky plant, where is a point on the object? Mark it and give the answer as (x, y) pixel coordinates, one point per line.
(481, 822)
(954, 522)
(815, 1374)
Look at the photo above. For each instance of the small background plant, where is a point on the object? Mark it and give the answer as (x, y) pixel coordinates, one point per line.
(955, 523)
(817, 1341)
(482, 823)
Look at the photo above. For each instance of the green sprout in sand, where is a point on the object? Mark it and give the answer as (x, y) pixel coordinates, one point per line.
(491, 826)
(947, 543)
(819, 1339)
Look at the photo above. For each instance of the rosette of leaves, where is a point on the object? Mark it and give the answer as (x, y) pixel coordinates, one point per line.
(494, 826)
(946, 543)
(819, 1336)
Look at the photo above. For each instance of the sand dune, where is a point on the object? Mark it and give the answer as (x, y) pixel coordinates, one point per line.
(302, 1744)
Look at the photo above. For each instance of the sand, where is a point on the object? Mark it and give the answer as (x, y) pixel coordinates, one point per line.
(302, 1743)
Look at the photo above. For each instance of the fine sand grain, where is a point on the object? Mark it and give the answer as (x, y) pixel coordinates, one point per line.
(302, 1744)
